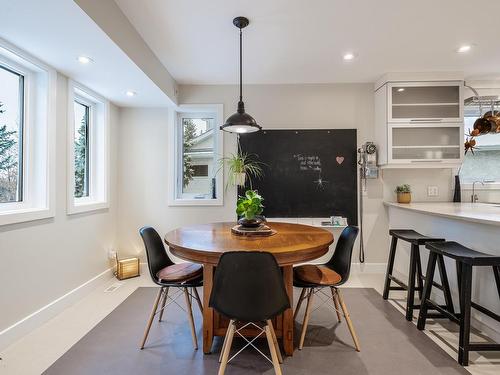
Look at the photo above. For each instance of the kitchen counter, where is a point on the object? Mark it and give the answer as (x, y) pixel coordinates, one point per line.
(482, 213)
(475, 225)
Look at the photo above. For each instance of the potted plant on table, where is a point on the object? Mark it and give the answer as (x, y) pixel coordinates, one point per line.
(403, 193)
(248, 209)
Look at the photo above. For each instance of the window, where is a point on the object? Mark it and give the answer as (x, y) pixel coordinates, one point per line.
(88, 149)
(196, 141)
(81, 158)
(27, 137)
(11, 135)
(483, 164)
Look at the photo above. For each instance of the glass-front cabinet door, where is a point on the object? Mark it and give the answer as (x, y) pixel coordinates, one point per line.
(424, 144)
(421, 102)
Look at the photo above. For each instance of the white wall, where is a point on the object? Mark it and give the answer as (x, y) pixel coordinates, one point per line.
(43, 260)
(143, 156)
(143, 179)
(143, 153)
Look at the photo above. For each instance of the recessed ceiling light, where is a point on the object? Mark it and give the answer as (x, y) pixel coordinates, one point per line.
(84, 59)
(349, 56)
(401, 89)
(464, 48)
(131, 93)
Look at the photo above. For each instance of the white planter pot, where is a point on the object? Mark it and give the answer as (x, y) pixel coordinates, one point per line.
(239, 179)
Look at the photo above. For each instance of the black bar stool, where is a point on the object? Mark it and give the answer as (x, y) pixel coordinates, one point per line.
(415, 239)
(465, 259)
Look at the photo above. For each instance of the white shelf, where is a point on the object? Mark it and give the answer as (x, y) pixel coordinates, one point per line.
(447, 146)
(422, 104)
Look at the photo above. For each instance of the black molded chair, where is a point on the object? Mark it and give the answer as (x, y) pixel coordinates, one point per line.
(313, 278)
(248, 287)
(167, 274)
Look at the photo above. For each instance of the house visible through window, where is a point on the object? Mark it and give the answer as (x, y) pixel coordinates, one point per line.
(200, 170)
(483, 165)
(81, 139)
(11, 135)
(198, 156)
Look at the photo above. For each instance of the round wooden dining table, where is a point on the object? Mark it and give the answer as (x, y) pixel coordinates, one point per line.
(205, 243)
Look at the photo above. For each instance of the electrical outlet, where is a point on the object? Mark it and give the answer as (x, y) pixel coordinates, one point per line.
(111, 254)
(432, 191)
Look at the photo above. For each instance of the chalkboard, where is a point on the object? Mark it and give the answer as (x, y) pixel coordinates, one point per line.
(307, 173)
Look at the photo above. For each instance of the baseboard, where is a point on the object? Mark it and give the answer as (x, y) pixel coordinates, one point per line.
(369, 267)
(19, 329)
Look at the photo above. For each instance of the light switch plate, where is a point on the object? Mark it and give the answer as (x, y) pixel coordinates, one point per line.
(432, 191)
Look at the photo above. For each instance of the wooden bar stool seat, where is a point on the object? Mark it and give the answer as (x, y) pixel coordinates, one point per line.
(465, 259)
(415, 269)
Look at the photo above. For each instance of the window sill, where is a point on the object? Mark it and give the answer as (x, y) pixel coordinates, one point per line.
(479, 187)
(196, 202)
(86, 206)
(22, 215)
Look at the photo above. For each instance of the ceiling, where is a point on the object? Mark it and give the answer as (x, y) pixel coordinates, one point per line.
(58, 31)
(297, 41)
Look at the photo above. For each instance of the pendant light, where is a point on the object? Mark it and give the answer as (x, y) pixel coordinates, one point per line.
(241, 122)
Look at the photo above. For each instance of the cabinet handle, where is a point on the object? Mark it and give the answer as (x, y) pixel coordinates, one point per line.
(426, 161)
(426, 120)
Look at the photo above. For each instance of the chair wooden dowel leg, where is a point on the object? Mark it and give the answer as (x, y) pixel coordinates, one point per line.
(197, 297)
(227, 347)
(336, 303)
(272, 349)
(163, 302)
(275, 340)
(190, 317)
(306, 318)
(348, 320)
(151, 317)
(299, 303)
(224, 343)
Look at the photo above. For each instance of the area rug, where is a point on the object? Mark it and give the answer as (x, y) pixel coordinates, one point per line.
(389, 344)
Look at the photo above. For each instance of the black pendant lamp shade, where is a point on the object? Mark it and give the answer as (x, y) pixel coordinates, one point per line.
(241, 122)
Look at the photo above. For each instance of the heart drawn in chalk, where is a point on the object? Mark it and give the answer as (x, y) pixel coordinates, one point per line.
(340, 159)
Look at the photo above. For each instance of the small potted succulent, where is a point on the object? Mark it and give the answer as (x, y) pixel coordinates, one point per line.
(403, 193)
(248, 208)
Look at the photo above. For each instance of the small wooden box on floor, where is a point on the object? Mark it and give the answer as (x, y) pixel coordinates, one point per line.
(127, 268)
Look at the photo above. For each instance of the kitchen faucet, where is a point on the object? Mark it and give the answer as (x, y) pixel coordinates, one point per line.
(473, 197)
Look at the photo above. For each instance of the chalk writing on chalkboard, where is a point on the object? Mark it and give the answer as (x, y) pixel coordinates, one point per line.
(308, 162)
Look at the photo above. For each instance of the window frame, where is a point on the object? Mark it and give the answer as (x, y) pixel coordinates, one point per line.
(38, 142)
(494, 185)
(89, 114)
(175, 155)
(21, 145)
(98, 151)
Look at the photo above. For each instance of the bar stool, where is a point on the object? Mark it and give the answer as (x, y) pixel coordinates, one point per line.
(465, 259)
(415, 271)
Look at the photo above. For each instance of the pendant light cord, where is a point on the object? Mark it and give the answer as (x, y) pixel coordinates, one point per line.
(241, 67)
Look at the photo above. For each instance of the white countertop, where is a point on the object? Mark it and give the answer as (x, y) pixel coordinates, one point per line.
(485, 213)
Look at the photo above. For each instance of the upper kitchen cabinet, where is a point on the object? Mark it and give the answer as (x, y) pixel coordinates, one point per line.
(425, 102)
(419, 124)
